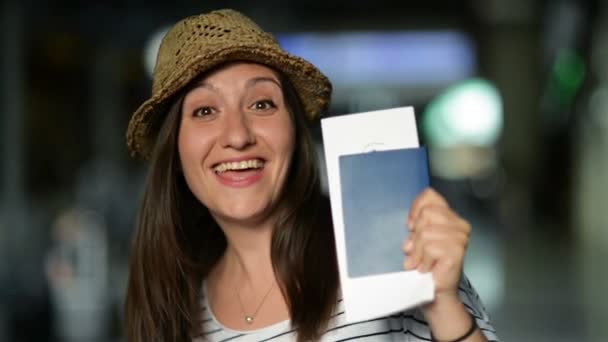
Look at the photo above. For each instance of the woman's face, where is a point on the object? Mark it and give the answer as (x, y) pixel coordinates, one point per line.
(235, 142)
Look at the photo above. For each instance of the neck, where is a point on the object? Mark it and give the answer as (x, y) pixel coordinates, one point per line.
(247, 259)
(242, 286)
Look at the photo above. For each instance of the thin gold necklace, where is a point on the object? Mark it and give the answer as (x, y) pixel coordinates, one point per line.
(249, 318)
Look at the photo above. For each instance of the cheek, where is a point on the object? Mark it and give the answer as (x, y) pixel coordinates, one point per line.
(184, 148)
(285, 138)
(290, 145)
(192, 148)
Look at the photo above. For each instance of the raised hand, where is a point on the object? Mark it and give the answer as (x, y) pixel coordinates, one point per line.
(437, 242)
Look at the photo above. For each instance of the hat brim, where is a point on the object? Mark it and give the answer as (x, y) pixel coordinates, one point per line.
(312, 86)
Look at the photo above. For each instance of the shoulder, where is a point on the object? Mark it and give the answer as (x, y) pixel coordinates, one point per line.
(409, 325)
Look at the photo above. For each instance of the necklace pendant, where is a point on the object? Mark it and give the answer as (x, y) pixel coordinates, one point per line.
(248, 319)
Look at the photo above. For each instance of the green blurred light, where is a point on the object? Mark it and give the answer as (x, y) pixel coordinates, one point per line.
(568, 75)
(569, 69)
(468, 113)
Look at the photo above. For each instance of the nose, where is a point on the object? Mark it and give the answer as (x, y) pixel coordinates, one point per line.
(236, 131)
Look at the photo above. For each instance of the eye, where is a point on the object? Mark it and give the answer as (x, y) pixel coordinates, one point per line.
(202, 111)
(264, 105)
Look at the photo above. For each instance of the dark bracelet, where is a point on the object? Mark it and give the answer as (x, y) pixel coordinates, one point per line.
(466, 335)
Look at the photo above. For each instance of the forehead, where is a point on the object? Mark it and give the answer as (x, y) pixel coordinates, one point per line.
(236, 71)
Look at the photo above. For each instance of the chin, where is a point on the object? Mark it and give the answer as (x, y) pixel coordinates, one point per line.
(246, 216)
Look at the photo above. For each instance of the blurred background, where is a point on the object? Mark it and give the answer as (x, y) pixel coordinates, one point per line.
(511, 98)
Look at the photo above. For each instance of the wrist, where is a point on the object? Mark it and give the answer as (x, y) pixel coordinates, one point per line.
(460, 338)
(449, 319)
(443, 305)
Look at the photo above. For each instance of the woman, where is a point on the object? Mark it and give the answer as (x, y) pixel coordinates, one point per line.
(234, 239)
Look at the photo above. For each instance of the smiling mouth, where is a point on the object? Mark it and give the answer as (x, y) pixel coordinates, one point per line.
(242, 165)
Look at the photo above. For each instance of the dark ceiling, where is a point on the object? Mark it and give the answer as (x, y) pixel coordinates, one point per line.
(124, 22)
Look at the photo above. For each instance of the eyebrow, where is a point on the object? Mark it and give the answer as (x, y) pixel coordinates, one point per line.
(250, 83)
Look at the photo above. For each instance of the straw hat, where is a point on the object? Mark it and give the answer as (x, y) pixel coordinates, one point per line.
(199, 43)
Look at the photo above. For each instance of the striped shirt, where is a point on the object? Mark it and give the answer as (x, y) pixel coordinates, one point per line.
(408, 326)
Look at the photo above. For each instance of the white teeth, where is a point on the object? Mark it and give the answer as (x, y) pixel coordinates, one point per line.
(242, 165)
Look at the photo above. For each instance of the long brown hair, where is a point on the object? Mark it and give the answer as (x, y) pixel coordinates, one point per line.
(177, 242)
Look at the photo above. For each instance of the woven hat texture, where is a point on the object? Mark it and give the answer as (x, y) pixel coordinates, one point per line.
(198, 44)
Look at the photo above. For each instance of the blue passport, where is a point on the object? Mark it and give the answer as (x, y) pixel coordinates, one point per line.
(378, 189)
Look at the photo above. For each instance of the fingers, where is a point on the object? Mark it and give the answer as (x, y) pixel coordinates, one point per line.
(432, 213)
(441, 257)
(437, 232)
(432, 254)
(437, 241)
(438, 214)
(427, 197)
(425, 247)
